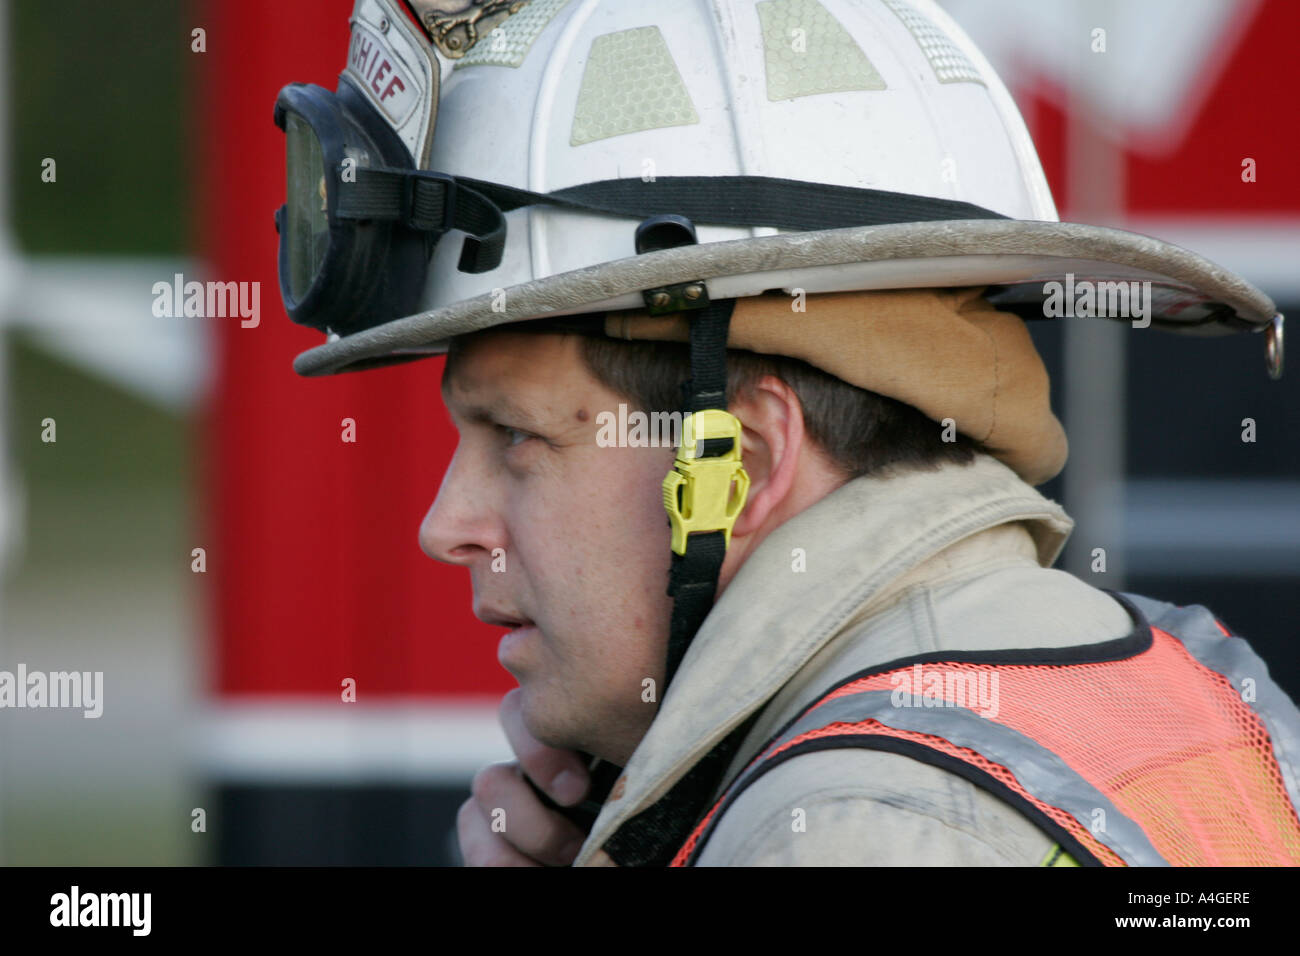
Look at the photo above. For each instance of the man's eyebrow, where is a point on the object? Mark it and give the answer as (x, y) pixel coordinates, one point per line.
(499, 408)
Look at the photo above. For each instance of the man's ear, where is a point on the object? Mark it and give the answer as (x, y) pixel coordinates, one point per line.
(772, 441)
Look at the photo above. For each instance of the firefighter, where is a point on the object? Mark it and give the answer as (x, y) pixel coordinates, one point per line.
(810, 231)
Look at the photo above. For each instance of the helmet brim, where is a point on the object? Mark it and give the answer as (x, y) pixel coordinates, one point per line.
(1016, 259)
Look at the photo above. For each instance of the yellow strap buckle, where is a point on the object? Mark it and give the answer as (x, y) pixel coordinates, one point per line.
(705, 494)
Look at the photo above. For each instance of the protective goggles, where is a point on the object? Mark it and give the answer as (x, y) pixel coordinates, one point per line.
(360, 219)
(360, 223)
(337, 269)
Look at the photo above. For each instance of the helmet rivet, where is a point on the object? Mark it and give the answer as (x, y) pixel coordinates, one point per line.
(693, 291)
(383, 24)
(1273, 347)
(453, 42)
(661, 300)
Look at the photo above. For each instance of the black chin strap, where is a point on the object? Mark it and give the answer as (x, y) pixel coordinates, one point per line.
(693, 581)
(652, 837)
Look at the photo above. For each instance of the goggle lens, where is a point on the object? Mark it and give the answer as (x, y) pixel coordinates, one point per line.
(308, 217)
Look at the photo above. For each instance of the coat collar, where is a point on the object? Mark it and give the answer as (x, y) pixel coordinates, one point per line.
(857, 543)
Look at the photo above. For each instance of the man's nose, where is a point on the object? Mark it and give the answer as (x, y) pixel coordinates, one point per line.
(461, 526)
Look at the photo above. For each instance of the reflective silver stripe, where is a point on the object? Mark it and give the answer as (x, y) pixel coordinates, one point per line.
(1232, 657)
(1039, 771)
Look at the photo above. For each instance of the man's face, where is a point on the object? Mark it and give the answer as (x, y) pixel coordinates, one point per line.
(579, 529)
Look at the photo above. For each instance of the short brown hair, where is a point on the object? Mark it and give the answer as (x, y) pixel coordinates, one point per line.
(860, 432)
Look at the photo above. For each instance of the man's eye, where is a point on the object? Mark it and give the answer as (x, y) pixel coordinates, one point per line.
(514, 436)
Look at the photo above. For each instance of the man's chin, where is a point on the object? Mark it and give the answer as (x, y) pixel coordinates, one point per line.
(543, 723)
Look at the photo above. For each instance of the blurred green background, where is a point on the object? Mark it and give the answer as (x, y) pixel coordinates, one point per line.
(98, 576)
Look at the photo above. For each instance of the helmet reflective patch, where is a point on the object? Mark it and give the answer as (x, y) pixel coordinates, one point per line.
(808, 51)
(949, 63)
(630, 84)
(508, 44)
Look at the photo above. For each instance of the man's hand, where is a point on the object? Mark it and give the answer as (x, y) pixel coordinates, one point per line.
(526, 832)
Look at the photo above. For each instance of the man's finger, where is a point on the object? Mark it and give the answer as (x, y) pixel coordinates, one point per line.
(479, 846)
(516, 814)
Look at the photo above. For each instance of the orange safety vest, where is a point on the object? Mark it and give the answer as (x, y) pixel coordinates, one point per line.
(1171, 746)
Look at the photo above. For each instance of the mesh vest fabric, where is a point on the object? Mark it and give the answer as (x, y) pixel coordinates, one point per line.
(1134, 752)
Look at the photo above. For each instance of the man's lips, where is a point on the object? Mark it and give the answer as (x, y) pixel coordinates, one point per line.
(510, 651)
(500, 619)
